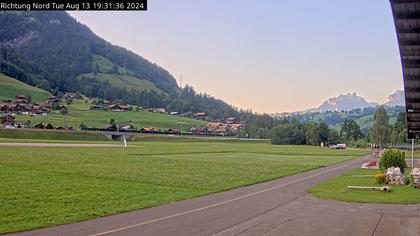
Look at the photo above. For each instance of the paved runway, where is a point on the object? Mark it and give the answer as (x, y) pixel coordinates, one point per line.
(278, 207)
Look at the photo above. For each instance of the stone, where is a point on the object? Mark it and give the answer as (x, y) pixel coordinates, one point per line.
(395, 176)
(416, 176)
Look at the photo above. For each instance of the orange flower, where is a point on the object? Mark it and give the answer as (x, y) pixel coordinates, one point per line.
(380, 178)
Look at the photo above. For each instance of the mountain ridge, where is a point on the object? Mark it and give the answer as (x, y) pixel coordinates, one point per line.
(351, 101)
(53, 51)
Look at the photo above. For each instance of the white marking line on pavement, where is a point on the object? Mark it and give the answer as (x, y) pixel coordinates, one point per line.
(219, 203)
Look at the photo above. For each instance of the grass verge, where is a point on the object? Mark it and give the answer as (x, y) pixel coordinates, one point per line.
(336, 189)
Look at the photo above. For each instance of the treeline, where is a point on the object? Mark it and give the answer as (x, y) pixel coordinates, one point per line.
(335, 118)
(381, 133)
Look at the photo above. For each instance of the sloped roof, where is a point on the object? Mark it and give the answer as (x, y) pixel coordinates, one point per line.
(407, 24)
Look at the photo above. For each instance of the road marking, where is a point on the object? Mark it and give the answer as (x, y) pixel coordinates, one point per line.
(219, 203)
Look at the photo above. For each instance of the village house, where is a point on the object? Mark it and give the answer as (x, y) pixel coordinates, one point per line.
(201, 130)
(118, 107)
(110, 127)
(53, 99)
(173, 131)
(22, 106)
(235, 127)
(126, 127)
(96, 107)
(186, 114)
(218, 128)
(200, 116)
(7, 120)
(21, 99)
(22, 124)
(148, 130)
(231, 120)
(159, 110)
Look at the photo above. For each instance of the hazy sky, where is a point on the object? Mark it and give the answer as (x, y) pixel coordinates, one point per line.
(270, 56)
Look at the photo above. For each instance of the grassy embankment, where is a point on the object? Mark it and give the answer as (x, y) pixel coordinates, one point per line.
(51, 185)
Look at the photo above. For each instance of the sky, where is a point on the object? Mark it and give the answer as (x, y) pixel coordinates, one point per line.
(269, 56)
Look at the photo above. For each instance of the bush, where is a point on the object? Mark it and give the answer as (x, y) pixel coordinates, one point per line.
(360, 143)
(82, 126)
(380, 178)
(393, 158)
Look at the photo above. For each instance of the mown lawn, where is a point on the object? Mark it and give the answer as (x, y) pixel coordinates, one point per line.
(336, 189)
(49, 186)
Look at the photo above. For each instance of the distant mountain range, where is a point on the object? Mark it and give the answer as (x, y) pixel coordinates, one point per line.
(396, 99)
(335, 110)
(351, 101)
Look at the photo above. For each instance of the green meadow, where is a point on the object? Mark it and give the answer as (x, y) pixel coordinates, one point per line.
(45, 186)
(79, 113)
(10, 87)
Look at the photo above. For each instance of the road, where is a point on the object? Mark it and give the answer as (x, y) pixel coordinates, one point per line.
(278, 207)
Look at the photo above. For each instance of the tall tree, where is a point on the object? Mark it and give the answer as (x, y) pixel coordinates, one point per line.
(350, 130)
(399, 130)
(380, 131)
(288, 134)
(311, 133)
(323, 132)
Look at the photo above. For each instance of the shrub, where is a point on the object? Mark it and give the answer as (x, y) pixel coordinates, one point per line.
(393, 158)
(82, 126)
(380, 178)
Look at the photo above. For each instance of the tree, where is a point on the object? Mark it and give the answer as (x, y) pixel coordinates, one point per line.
(112, 121)
(323, 132)
(82, 126)
(334, 137)
(64, 111)
(288, 134)
(399, 130)
(311, 134)
(380, 131)
(350, 130)
(29, 98)
(56, 106)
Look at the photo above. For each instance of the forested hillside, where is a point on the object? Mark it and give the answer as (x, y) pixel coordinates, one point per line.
(53, 51)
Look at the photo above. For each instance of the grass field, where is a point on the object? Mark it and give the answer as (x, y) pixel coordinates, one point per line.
(10, 87)
(336, 189)
(49, 186)
(79, 112)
